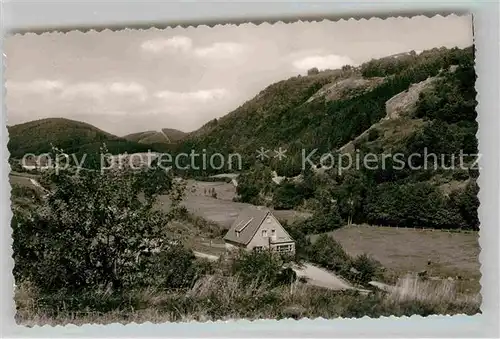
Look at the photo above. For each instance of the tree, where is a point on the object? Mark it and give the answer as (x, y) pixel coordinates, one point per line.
(328, 253)
(346, 68)
(366, 267)
(373, 134)
(313, 71)
(290, 194)
(98, 228)
(261, 267)
(254, 183)
(467, 203)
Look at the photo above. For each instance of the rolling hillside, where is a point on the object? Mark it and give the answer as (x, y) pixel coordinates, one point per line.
(324, 110)
(72, 136)
(174, 135)
(404, 104)
(165, 136)
(139, 136)
(329, 109)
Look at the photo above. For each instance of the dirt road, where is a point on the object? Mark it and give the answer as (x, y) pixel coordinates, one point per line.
(320, 277)
(315, 276)
(206, 256)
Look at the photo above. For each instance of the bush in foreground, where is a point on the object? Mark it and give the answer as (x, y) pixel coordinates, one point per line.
(97, 229)
(265, 267)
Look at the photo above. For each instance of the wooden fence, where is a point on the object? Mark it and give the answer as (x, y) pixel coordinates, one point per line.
(423, 229)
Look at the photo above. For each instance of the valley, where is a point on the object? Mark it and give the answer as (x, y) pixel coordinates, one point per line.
(168, 228)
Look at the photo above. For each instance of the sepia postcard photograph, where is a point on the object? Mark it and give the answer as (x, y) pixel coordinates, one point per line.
(323, 169)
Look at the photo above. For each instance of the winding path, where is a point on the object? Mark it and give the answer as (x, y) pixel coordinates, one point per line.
(315, 276)
(320, 277)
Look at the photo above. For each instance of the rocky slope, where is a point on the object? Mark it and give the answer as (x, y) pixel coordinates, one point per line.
(330, 109)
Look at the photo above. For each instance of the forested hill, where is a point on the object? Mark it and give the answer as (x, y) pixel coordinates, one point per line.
(165, 136)
(407, 104)
(72, 136)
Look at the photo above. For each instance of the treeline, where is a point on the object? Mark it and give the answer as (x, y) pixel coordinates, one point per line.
(283, 116)
(73, 137)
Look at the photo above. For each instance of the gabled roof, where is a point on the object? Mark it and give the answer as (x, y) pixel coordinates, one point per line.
(247, 224)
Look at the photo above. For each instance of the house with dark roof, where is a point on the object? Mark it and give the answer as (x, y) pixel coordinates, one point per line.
(257, 229)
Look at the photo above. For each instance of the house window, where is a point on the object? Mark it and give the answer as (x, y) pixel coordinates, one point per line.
(237, 234)
(284, 248)
(264, 233)
(273, 233)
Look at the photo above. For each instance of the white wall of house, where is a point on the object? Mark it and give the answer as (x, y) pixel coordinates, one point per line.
(265, 232)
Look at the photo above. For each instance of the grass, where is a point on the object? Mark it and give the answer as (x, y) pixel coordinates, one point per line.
(404, 250)
(430, 291)
(219, 297)
(22, 180)
(223, 296)
(223, 210)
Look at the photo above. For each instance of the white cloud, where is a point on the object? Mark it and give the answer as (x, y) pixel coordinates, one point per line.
(87, 89)
(331, 61)
(178, 43)
(128, 88)
(184, 104)
(58, 90)
(102, 90)
(175, 43)
(195, 96)
(219, 50)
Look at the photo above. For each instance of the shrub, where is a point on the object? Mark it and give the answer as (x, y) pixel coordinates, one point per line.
(264, 267)
(410, 205)
(313, 71)
(466, 202)
(93, 229)
(373, 134)
(208, 227)
(286, 276)
(19, 191)
(173, 267)
(367, 267)
(16, 166)
(460, 175)
(302, 242)
(328, 253)
(321, 221)
(289, 195)
(254, 183)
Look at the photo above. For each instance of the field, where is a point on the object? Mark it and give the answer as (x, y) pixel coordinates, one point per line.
(325, 294)
(22, 179)
(403, 250)
(399, 249)
(222, 210)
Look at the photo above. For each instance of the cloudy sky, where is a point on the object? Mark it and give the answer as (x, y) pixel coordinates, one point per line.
(131, 80)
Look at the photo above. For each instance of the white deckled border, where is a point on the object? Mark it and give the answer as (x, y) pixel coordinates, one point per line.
(31, 16)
